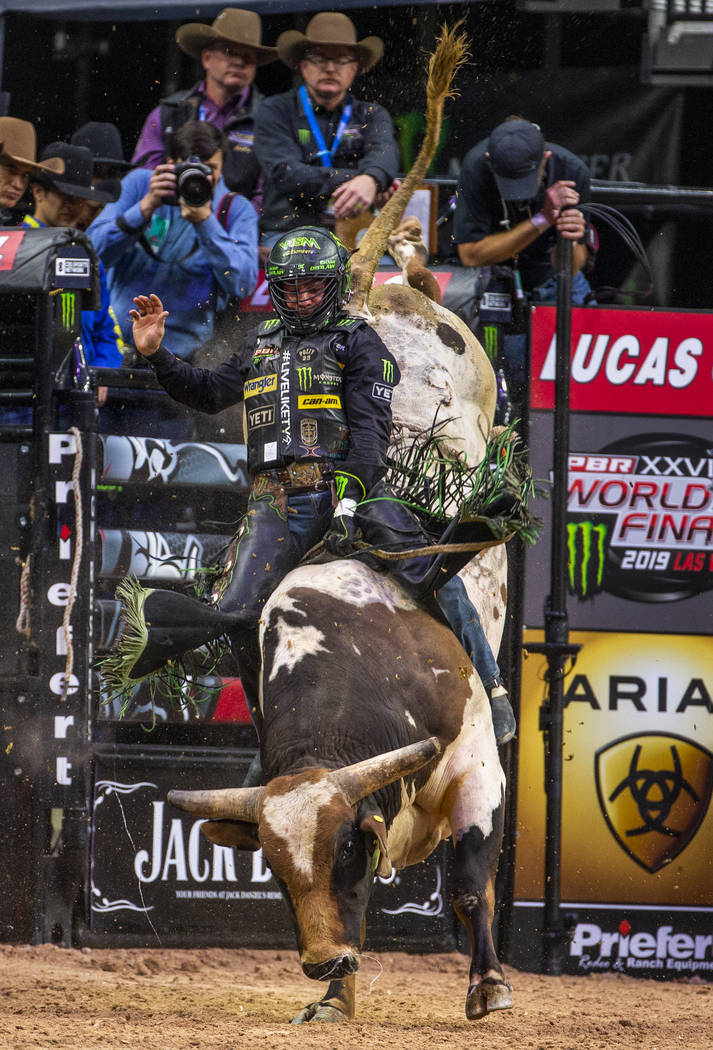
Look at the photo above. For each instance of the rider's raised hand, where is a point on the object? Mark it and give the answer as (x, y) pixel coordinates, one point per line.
(148, 327)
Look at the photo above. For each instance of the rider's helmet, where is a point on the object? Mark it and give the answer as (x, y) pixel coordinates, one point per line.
(308, 277)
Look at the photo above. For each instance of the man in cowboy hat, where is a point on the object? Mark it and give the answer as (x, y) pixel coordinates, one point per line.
(230, 50)
(18, 152)
(59, 200)
(325, 155)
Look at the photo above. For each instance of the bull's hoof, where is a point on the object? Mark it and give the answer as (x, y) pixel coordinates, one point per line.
(319, 1012)
(489, 995)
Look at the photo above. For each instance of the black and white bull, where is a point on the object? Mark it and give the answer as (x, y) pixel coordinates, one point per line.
(377, 743)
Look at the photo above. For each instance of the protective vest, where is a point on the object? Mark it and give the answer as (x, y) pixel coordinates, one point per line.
(294, 404)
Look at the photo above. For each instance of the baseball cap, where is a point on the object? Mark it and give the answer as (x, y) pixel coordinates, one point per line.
(515, 148)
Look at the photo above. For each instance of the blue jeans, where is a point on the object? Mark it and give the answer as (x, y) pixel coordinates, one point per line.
(465, 623)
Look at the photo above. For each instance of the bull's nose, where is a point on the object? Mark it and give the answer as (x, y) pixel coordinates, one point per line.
(332, 969)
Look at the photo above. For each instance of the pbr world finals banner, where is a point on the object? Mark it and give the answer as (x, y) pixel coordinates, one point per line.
(637, 832)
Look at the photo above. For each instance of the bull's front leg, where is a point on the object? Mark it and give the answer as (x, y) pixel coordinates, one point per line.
(336, 1005)
(476, 861)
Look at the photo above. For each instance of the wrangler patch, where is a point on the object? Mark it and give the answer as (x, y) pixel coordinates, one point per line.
(315, 401)
(261, 385)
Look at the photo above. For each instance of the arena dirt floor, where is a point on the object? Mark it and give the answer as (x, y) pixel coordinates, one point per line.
(220, 999)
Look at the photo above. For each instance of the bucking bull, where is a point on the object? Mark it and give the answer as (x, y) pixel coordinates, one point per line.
(377, 739)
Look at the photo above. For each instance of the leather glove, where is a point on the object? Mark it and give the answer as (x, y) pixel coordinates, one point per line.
(343, 531)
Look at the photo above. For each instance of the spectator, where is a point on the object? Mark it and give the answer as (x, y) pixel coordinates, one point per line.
(516, 193)
(324, 154)
(230, 50)
(196, 257)
(104, 143)
(18, 150)
(59, 202)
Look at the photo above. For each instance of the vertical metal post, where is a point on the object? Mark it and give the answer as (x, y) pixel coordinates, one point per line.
(556, 623)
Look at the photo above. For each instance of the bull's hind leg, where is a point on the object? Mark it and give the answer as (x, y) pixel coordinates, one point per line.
(336, 1005)
(476, 861)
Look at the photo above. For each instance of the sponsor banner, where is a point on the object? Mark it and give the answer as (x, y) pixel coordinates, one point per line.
(158, 461)
(639, 522)
(638, 750)
(643, 362)
(9, 243)
(154, 873)
(638, 941)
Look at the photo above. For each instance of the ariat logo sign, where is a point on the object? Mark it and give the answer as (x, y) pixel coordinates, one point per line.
(586, 546)
(381, 392)
(304, 377)
(261, 417)
(654, 790)
(68, 300)
(387, 370)
(316, 401)
(261, 385)
(306, 353)
(308, 432)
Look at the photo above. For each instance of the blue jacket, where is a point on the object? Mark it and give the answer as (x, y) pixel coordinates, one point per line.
(101, 335)
(195, 268)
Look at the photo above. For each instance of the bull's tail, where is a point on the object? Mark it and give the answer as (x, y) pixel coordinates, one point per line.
(450, 54)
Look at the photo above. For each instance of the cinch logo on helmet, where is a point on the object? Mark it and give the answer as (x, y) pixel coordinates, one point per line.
(262, 385)
(319, 401)
(299, 242)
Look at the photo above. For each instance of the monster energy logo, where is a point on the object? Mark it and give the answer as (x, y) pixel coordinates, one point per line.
(387, 370)
(272, 323)
(340, 484)
(303, 135)
(304, 377)
(68, 300)
(490, 340)
(586, 544)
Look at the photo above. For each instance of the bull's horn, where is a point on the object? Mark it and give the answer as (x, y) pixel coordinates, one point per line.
(361, 779)
(225, 804)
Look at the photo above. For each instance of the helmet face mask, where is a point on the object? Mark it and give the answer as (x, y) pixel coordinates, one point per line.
(308, 277)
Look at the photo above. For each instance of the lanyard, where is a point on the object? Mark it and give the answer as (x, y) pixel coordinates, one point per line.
(324, 154)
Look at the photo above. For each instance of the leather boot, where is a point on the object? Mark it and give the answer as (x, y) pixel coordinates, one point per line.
(158, 626)
(504, 724)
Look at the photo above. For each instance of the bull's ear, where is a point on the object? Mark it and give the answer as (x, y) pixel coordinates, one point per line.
(376, 825)
(235, 833)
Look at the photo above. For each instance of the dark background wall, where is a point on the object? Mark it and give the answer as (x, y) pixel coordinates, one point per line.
(62, 73)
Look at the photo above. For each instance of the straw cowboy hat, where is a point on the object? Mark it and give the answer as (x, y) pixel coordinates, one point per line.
(329, 29)
(232, 26)
(18, 142)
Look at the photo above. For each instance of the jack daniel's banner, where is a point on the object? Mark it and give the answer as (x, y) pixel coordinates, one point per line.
(637, 833)
(155, 877)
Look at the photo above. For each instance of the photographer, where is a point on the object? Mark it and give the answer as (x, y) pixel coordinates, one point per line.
(179, 231)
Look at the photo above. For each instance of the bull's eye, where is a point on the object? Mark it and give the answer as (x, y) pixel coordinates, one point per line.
(348, 849)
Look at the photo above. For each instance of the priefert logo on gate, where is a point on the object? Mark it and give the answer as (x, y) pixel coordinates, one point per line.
(628, 949)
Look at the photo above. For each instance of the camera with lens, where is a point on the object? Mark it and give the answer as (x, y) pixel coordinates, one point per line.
(194, 185)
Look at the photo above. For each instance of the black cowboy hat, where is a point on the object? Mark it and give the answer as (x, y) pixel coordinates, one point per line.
(76, 180)
(103, 140)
